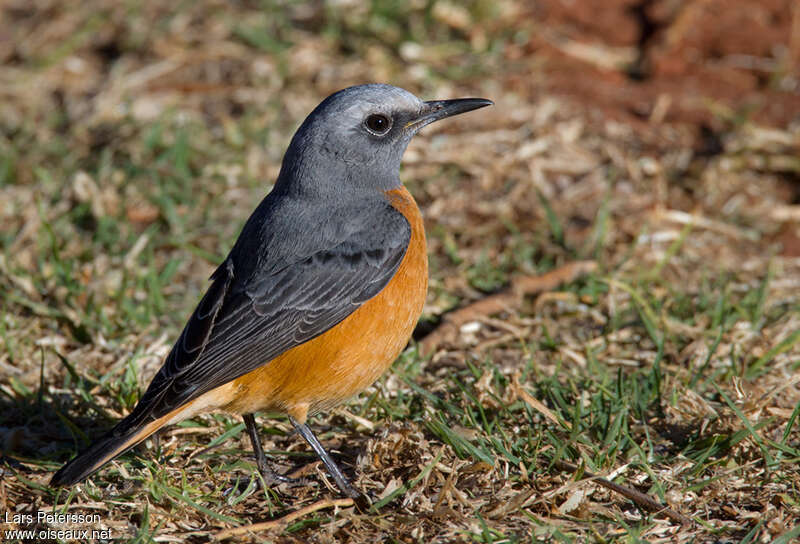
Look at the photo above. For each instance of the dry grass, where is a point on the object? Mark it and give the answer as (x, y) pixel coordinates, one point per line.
(134, 140)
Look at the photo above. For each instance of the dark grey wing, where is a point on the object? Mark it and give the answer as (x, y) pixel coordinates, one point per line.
(241, 325)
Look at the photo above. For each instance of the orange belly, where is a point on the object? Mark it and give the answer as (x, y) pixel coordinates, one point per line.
(348, 358)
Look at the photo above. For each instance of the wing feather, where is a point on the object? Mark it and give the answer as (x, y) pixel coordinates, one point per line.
(242, 324)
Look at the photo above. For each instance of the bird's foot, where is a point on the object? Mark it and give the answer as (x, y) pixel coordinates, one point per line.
(273, 478)
(361, 500)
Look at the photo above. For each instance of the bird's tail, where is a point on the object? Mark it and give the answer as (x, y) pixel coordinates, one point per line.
(101, 452)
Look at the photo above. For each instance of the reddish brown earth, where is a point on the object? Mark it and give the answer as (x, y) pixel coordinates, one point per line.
(679, 61)
(702, 65)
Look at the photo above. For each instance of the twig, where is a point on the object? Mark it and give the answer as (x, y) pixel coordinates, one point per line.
(536, 404)
(641, 499)
(285, 520)
(510, 298)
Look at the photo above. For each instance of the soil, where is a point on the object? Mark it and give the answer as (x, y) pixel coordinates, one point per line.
(673, 61)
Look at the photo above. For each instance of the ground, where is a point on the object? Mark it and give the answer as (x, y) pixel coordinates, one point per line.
(614, 250)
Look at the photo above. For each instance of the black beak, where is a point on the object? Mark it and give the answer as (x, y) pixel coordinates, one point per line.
(439, 109)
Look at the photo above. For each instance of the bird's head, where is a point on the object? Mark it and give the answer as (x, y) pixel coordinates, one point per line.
(356, 137)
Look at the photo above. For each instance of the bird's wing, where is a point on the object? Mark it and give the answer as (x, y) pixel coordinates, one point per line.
(237, 328)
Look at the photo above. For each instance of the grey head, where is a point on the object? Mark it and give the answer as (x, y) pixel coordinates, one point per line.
(355, 139)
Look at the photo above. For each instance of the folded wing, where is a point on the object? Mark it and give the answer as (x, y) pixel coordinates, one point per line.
(241, 325)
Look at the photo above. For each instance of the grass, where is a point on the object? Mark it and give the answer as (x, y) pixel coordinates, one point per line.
(673, 369)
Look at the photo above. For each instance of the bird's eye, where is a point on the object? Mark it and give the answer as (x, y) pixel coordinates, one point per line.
(378, 124)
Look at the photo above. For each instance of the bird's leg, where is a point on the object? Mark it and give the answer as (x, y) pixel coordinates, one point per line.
(358, 497)
(267, 472)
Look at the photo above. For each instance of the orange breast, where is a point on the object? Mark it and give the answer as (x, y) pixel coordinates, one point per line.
(349, 357)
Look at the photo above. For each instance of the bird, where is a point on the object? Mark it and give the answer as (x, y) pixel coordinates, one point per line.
(319, 294)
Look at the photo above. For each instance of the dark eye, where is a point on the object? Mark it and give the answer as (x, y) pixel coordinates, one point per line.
(378, 124)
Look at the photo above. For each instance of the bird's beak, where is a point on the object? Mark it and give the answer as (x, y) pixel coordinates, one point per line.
(439, 109)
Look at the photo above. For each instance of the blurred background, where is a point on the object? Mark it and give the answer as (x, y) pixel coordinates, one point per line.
(659, 139)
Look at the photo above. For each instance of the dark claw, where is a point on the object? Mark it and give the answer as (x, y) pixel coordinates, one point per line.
(273, 478)
(362, 502)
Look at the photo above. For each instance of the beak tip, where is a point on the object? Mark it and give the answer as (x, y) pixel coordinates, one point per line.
(434, 110)
(439, 109)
